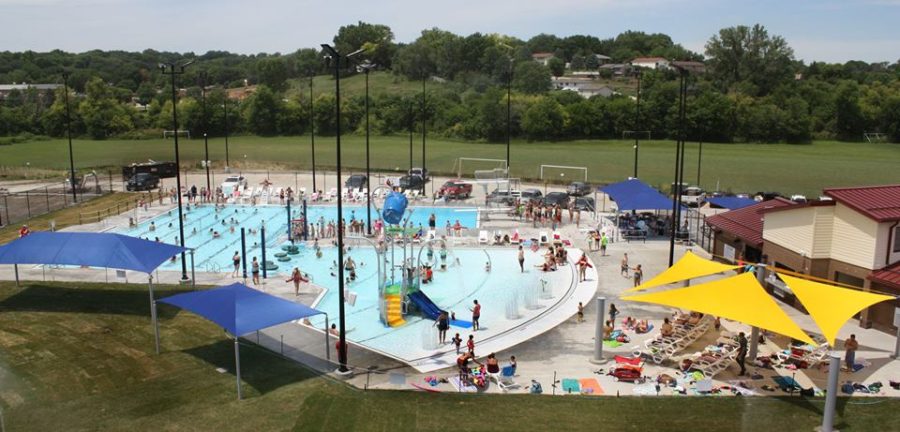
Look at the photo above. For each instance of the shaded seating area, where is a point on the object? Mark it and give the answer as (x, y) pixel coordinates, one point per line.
(635, 195)
(240, 310)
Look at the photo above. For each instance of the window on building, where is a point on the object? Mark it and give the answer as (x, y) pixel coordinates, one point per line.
(897, 239)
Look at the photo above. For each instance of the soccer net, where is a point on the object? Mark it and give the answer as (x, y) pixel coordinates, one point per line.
(563, 173)
(181, 132)
(639, 134)
(490, 168)
(875, 137)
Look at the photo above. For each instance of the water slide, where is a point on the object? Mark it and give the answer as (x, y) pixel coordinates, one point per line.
(431, 310)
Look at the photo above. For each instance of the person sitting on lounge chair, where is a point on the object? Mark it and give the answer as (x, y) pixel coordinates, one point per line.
(666, 330)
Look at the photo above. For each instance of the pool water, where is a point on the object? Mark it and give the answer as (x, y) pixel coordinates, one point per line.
(214, 254)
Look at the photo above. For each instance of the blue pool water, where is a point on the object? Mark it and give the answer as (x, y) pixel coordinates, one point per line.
(214, 254)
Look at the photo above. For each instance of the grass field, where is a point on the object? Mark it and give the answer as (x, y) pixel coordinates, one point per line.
(103, 206)
(784, 168)
(80, 357)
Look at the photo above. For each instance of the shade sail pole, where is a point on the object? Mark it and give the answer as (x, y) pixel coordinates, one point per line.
(598, 332)
(193, 274)
(237, 366)
(754, 331)
(153, 311)
(834, 368)
(327, 340)
(16, 268)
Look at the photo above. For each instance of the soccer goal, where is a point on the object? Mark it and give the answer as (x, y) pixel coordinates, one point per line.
(875, 137)
(636, 134)
(491, 168)
(558, 172)
(181, 133)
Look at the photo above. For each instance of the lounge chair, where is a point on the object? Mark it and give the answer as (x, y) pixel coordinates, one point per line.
(505, 379)
(483, 237)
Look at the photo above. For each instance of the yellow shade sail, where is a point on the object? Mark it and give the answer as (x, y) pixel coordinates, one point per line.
(690, 266)
(830, 306)
(739, 298)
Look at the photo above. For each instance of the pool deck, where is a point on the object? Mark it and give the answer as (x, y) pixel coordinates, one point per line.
(548, 350)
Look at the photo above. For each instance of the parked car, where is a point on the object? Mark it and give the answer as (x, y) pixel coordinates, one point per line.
(455, 189)
(411, 182)
(503, 196)
(578, 189)
(692, 196)
(585, 204)
(356, 181)
(556, 198)
(142, 181)
(233, 182)
(421, 172)
(531, 195)
(798, 198)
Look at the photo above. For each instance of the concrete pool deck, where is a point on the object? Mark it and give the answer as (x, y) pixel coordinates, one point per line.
(560, 352)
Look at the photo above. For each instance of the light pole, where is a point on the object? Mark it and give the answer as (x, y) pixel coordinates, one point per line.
(342, 347)
(699, 161)
(312, 131)
(366, 67)
(203, 77)
(172, 70)
(679, 163)
(410, 137)
(69, 135)
(424, 120)
(637, 122)
(508, 111)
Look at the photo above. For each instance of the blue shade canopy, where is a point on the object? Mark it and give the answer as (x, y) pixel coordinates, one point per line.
(240, 309)
(88, 249)
(731, 203)
(634, 194)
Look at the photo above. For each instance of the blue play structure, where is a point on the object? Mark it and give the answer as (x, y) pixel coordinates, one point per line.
(430, 310)
(394, 207)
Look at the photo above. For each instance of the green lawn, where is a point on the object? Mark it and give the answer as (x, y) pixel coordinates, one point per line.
(784, 168)
(380, 83)
(80, 357)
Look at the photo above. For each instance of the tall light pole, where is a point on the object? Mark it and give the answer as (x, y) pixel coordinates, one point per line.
(366, 67)
(69, 135)
(172, 70)
(424, 120)
(203, 78)
(679, 164)
(637, 122)
(699, 161)
(312, 131)
(342, 348)
(411, 121)
(509, 73)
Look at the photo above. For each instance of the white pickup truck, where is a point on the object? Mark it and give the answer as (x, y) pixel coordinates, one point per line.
(692, 196)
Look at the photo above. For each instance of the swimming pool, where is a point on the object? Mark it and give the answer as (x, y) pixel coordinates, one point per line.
(214, 254)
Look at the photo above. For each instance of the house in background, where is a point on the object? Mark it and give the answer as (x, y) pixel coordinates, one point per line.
(6, 89)
(584, 86)
(852, 239)
(651, 63)
(542, 57)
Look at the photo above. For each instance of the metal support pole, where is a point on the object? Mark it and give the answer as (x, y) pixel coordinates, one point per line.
(312, 133)
(637, 124)
(289, 226)
(598, 332)
(155, 325)
(244, 252)
(69, 136)
(16, 269)
(834, 369)
(305, 223)
(327, 340)
(896, 355)
(368, 172)
(193, 273)
(237, 366)
(754, 332)
(262, 245)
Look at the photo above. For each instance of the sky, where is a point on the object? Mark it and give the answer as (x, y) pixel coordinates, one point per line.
(817, 30)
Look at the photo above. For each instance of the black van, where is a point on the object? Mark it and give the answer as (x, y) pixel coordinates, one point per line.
(142, 181)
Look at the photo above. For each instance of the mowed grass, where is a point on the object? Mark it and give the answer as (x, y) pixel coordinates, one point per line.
(80, 357)
(103, 206)
(784, 168)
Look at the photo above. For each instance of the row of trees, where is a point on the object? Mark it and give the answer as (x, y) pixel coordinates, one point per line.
(754, 90)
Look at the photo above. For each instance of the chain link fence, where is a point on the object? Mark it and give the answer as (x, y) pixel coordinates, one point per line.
(20, 205)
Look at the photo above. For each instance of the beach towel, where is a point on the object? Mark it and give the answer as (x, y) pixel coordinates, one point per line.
(590, 386)
(461, 323)
(612, 344)
(462, 387)
(787, 383)
(648, 389)
(571, 385)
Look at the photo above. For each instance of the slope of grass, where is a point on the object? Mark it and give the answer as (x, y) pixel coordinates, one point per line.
(739, 167)
(80, 357)
(380, 83)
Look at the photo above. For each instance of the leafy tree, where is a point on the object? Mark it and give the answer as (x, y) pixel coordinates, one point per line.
(273, 72)
(531, 77)
(544, 120)
(262, 111)
(376, 39)
(849, 122)
(557, 66)
(102, 114)
(739, 54)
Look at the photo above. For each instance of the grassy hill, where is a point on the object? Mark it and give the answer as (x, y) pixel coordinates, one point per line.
(380, 83)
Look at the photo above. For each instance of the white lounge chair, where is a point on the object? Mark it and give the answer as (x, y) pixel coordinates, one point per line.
(483, 237)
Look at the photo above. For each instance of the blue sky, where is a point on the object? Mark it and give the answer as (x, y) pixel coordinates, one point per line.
(824, 30)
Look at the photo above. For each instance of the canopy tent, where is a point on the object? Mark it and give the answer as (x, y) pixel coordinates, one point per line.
(634, 194)
(830, 306)
(690, 266)
(239, 310)
(88, 249)
(739, 298)
(731, 203)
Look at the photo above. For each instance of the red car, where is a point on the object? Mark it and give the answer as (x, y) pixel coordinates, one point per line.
(455, 189)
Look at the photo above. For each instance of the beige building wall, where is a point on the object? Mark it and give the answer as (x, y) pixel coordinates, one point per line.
(823, 231)
(854, 240)
(791, 229)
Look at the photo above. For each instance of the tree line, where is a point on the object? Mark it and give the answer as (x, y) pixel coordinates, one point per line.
(754, 90)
